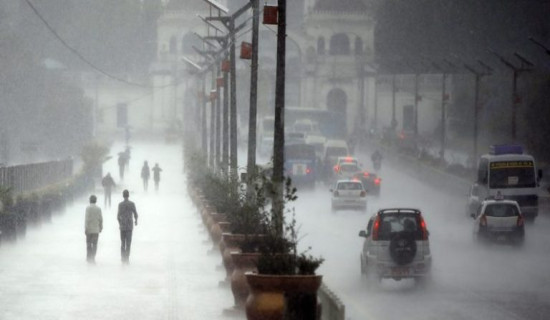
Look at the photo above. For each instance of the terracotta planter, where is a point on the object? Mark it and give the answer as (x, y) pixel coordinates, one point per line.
(243, 263)
(230, 243)
(225, 226)
(215, 229)
(269, 295)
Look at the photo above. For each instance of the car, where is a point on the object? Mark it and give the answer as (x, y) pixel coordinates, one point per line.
(348, 194)
(498, 219)
(318, 142)
(371, 182)
(295, 138)
(396, 245)
(306, 126)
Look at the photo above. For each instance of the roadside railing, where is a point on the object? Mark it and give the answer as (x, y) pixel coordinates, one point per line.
(28, 177)
(333, 308)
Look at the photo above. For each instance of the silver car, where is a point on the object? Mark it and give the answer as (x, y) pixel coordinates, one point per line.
(396, 245)
(348, 194)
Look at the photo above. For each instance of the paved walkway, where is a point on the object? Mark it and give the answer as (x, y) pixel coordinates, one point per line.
(170, 275)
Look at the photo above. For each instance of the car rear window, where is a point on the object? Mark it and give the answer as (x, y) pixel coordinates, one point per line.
(394, 223)
(350, 186)
(349, 168)
(501, 210)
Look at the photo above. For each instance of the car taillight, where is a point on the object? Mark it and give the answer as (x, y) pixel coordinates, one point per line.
(483, 221)
(336, 168)
(377, 181)
(375, 228)
(366, 174)
(363, 193)
(336, 194)
(423, 228)
(520, 221)
(308, 170)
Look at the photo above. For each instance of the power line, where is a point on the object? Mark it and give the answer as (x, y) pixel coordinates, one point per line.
(78, 54)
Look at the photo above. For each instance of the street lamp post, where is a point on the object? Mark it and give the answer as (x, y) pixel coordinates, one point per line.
(478, 76)
(251, 164)
(279, 130)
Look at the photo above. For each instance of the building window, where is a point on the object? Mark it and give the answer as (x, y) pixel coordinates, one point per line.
(173, 45)
(358, 46)
(339, 44)
(321, 45)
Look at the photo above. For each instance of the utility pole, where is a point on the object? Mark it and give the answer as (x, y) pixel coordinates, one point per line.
(279, 132)
(478, 76)
(393, 119)
(225, 151)
(516, 99)
(251, 164)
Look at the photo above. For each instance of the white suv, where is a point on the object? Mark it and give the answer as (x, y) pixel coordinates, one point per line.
(396, 245)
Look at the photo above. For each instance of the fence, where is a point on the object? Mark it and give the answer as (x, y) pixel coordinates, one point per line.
(29, 177)
(333, 308)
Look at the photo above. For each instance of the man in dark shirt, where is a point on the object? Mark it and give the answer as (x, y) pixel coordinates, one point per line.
(126, 215)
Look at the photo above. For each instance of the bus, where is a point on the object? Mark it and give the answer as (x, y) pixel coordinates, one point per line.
(507, 170)
(301, 164)
(331, 125)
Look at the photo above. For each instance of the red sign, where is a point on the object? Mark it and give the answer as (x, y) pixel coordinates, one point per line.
(246, 50)
(270, 14)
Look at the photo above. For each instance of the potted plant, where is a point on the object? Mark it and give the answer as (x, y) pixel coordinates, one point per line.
(285, 284)
(8, 220)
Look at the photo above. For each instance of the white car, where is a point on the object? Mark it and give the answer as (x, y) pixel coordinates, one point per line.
(348, 194)
(499, 220)
(396, 245)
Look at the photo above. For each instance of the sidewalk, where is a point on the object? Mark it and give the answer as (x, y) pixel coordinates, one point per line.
(170, 275)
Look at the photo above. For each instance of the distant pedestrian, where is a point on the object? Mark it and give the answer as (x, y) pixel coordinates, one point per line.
(121, 164)
(145, 174)
(92, 227)
(156, 175)
(126, 215)
(108, 184)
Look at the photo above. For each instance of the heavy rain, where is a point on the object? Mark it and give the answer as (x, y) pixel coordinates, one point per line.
(304, 159)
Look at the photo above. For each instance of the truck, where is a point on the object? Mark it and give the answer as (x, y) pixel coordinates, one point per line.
(508, 171)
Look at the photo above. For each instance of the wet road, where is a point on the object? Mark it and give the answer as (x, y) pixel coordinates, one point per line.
(170, 275)
(469, 281)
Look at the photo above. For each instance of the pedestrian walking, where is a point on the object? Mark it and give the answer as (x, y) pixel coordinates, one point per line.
(92, 227)
(145, 174)
(121, 164)
(108, 184)
(156, 175)
(126, 215)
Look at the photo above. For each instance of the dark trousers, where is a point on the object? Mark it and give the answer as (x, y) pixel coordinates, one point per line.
(91, 246)
(157, 184)
(145, 184)
(126, 243)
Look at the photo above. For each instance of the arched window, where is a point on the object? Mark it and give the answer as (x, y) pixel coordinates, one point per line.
(337, 100)
(358, 46)
(173, 45)
(321, 45)
(339, 44)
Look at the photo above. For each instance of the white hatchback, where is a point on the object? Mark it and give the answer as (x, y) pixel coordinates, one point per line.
(396, 245)
(499, 220)
(348, 194)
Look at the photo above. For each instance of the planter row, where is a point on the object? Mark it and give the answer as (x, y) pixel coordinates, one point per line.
(32, 210)
(266, 297)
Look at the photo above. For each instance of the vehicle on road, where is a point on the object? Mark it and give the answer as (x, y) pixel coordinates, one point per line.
(371, 182)
(396, 245)
(508, 170)
(301, 164)
(346, 168)
(333, 150)
(499, 220)
(348, 194)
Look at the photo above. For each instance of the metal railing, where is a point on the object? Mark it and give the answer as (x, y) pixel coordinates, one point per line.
(332, 306)
(29, 177)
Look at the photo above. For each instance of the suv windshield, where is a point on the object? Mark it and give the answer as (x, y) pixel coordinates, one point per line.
(501, 210)
(508, 174)
(393, 223)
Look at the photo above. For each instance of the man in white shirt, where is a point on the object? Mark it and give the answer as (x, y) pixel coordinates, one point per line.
(92, 228)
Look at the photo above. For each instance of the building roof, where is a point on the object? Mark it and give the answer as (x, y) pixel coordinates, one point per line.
(340, 5)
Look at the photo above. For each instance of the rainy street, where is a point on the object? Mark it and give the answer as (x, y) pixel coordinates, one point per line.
(469, 281)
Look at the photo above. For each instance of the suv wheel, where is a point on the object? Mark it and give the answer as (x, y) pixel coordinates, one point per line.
(403, 248)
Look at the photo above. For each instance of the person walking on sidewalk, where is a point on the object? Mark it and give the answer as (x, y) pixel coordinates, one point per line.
(92, 227)
(156, 175)
(145, 174)
(108, 184)
(126, 215)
